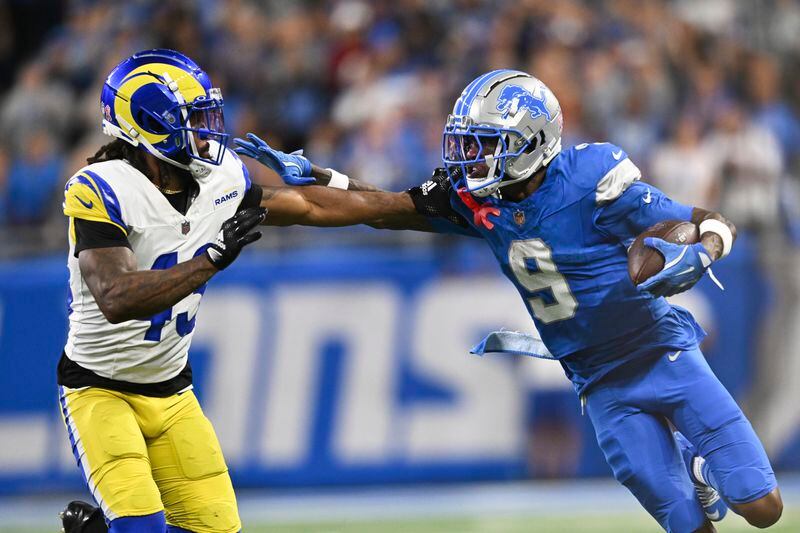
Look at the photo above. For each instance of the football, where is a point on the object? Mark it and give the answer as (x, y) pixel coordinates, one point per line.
(644, 261)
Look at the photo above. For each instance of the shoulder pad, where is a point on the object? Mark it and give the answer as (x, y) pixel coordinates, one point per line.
(90, 197)
(610, 168)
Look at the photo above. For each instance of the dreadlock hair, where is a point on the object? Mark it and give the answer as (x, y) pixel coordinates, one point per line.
(116, 149)
(119, 149)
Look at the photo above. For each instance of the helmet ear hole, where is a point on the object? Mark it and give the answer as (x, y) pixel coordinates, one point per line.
(150, 124)
(537, 141)
(153, 108)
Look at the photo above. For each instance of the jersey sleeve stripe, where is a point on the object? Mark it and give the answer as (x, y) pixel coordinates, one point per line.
(109, 198)
(616, 181)
(92, 199)
(83, 179)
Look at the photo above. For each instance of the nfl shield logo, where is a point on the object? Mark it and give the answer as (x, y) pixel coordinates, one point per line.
(185, 227)
(519, 217)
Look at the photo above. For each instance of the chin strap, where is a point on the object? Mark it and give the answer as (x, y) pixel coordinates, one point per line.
(492, 161)
(188, 137)
(198, 169)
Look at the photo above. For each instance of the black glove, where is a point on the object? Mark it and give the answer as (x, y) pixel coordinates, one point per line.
(235, 235)
(432, 198)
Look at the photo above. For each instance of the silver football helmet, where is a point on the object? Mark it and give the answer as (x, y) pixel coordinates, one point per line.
(505, 126)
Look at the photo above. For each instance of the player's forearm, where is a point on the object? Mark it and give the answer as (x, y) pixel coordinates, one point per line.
(143, 293)
(382, 210)
(405, 218)
(335, 207)
(711, 241)
(326, 206)
(323, 177)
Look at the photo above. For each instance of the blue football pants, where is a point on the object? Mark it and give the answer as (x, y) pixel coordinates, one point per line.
(630, 408)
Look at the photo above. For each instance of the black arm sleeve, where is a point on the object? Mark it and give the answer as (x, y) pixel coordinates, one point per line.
(91, 234)
(252, 197)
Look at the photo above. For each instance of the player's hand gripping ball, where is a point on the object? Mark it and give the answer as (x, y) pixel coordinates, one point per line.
(667, 258)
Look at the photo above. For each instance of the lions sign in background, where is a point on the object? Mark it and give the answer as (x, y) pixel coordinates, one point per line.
(349, 369)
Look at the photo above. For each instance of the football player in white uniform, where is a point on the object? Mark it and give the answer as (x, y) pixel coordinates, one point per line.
(152, 218)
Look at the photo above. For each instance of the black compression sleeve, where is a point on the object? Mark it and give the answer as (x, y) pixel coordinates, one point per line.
(252, 197)
(92, 234)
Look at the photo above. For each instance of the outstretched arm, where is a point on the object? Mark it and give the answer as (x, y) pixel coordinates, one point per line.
(338, 200)
(326, 203)
(326, 206)
(323, 177)
(294, 169)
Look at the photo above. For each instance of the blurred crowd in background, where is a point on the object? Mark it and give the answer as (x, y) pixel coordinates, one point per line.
(704, 96)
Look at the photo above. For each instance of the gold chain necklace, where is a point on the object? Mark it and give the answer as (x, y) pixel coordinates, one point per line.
(165, 190)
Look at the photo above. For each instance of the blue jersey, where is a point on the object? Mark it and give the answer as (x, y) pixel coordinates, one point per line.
(565, 249)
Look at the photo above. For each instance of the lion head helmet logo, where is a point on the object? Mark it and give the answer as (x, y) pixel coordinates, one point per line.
(514, 99)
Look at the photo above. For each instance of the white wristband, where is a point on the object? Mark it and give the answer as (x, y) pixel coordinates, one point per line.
(712, 225)
(338, 180)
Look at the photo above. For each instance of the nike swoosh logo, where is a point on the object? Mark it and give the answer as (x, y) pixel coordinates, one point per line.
(682, 272)
(674, 356)
(713, 516)
(677, 259)
(291, 164)
(84, 203)
(647, 197)
(617, 155)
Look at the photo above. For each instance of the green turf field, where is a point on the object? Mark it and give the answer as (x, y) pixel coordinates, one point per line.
(596, 506)
(634, 523)
(600, 524)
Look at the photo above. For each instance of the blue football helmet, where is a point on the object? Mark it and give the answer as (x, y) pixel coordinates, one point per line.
(161, 101)
(505, 126)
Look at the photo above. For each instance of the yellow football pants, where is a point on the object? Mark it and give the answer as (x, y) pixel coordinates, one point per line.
(140, 455)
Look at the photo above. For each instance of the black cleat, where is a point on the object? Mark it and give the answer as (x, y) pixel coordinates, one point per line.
(81, 517)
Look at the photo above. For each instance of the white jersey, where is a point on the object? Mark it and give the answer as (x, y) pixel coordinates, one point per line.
(153, 350)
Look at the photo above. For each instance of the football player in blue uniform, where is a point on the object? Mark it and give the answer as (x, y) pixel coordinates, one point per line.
(559, 223)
